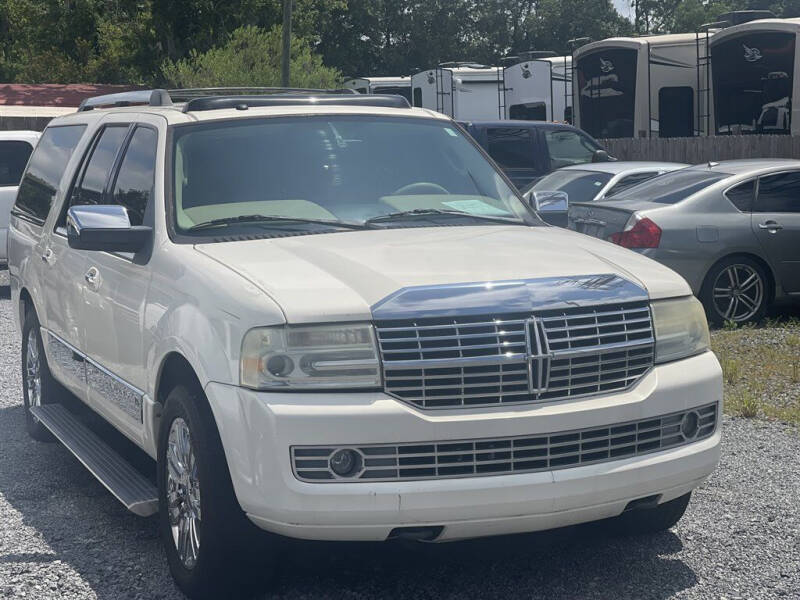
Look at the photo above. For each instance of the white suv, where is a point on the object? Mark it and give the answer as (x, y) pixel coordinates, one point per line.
(332, 318)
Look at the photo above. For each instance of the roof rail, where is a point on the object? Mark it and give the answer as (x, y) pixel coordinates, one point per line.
(302, 99)
(149, 97)
(186, 94)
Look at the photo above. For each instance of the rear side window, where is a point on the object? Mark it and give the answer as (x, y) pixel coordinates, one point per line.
(630, 181)
(569, 148)
(673, 187)
(14, 156)
(92, 184)
(741, 196)
(511, 147)
(779, 193)
(46, 167)
(134, 185)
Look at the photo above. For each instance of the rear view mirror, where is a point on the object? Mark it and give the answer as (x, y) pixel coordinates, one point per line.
(550, 202)
(104, 228)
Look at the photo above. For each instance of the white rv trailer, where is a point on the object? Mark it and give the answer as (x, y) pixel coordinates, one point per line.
(639, 87)
(538, 89)
(400, 85)
(464, 91)
(754, 80)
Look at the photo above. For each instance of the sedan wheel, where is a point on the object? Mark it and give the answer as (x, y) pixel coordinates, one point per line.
(738, 293)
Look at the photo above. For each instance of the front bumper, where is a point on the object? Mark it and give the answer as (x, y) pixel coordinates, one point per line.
(258, 430)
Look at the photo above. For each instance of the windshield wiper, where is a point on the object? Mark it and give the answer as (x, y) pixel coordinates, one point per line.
(425, 212)
(242, 219)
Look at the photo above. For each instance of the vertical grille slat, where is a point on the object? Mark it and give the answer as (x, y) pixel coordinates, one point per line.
(513, 358)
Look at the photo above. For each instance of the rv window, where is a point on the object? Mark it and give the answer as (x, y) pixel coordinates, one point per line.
(779, 193)
(675, 112)
(672, 187)
(534, 111)
(568, 147)
(511, 147)
(13, 158)
(741, 196)
(418, 96)
(607, 92)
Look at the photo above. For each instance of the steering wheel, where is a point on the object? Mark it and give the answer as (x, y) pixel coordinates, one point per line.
(419, 188)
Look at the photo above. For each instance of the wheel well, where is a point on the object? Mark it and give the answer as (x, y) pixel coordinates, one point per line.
(771, 283)
(175, 369)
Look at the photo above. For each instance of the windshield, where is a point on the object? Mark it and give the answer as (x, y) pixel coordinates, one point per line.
(670, 188)
(580, 186)
(333, 168)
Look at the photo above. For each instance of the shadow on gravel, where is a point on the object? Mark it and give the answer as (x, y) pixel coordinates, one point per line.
(118, 555)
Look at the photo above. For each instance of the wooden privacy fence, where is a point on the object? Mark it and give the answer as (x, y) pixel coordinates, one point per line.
(703, 149)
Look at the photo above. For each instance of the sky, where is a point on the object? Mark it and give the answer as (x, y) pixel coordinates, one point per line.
(624, 8)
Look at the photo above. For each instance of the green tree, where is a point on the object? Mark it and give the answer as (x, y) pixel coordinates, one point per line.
(250, 57)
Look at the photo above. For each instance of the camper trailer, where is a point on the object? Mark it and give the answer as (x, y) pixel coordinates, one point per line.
(538, 88)
(464, 91)
(400, 85)
(753, 78)
(639, 87)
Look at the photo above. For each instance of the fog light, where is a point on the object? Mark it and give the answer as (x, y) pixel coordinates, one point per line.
(690, 425)
(345, 463)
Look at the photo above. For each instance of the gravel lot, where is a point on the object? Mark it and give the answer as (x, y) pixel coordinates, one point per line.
(63, 536)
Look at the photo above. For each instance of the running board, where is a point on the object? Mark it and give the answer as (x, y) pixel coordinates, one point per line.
(119, 477)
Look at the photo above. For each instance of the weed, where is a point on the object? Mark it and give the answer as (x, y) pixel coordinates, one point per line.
(731, 369)
(745, 403)
(730, 325)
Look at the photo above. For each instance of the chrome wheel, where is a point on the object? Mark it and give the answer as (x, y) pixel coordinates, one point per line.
(738, 292)
(33, 372)
(183, 493)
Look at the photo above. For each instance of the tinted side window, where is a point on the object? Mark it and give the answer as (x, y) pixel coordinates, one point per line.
(40, 182)
(511, 147)
(741, 196)
(13, 158)
(630, 181)
(95, 172)
(779, 193)
(134, 185)
(568, 148)
(417, 96)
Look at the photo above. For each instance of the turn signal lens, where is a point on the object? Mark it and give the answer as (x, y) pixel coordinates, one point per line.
(643, 234)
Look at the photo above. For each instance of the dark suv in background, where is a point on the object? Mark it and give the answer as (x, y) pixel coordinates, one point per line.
(528, 150)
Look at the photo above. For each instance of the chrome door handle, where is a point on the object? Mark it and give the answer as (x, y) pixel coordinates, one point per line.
(92, 276)
(770, 225)
(47, 256)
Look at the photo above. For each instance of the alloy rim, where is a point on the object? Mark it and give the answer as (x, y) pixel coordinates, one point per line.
(183, 493)
(738, 293)
(33, 373)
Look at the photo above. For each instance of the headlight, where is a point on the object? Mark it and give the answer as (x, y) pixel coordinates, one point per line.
(681, 328)
(318, 356)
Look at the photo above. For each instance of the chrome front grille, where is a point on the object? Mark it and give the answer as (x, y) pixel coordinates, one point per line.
(488, 360)
(502, 456)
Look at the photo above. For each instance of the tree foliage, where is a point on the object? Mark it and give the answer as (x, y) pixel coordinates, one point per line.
(158, 41)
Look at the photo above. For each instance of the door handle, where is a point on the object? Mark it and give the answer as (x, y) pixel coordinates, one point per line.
(92, 277)
(771, 226)
(47, 256)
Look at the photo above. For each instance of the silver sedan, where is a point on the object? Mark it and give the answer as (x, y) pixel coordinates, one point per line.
(731, 229)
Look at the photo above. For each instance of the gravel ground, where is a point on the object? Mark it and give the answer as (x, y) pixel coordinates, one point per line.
(63, 536)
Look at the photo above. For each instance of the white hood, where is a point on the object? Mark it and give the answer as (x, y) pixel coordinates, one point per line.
(339, 276)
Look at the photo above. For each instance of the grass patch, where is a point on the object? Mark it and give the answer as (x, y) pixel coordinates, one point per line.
(761, 368)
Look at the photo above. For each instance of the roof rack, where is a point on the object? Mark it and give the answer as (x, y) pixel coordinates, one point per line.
(325, 99)
(464, 63)
(149, 97)
(160, 97)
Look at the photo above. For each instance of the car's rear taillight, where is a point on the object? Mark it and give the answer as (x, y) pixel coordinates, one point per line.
(643, 234)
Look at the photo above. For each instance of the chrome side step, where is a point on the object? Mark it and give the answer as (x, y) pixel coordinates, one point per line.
(127, 484)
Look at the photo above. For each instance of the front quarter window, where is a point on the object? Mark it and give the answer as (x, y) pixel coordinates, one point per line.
(316, 171)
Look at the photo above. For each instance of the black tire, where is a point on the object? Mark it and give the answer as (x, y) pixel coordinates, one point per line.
(647, 521)
(50, 391)
(234, 556)
(743, 265)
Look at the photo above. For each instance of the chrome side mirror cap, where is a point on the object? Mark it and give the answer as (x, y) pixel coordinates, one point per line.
(105, 228)
(550, 202)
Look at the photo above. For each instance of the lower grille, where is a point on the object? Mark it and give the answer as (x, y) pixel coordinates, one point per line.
(502, 456)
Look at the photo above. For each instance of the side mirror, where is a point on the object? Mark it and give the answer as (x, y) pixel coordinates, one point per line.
(601, 156)
(550, 202)
(104, 228)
